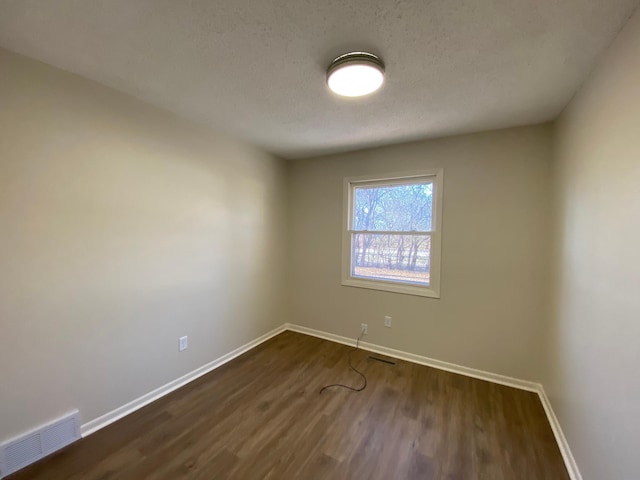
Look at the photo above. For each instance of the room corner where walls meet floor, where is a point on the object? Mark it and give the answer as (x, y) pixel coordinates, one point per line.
(108, 418)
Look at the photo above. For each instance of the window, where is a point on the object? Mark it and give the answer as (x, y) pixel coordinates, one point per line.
(391, 235)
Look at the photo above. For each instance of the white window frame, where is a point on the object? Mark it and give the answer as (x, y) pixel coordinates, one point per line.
(433, 289)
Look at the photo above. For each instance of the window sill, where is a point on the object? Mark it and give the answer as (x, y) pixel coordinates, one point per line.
(393, 287)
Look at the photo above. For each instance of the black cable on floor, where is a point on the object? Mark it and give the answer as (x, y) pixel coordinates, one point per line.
(352, 368)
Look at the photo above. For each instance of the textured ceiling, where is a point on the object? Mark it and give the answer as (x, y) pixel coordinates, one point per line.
(255, 69)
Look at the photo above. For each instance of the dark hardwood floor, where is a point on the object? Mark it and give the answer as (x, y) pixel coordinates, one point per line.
(260, 417)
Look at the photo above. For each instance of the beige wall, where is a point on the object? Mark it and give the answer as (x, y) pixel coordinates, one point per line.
(494, 257)
(594, 336)
(121, 229)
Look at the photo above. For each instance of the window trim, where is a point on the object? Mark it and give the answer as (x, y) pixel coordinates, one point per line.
(398, 178)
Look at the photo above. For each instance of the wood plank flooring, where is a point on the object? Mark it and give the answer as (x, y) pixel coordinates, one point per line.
(261, 417)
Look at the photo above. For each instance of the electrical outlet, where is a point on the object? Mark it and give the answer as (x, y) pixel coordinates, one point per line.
(184, 343)
(387, 322)
(364, 329)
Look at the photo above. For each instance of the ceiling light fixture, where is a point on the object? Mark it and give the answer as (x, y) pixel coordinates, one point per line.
(355, 74)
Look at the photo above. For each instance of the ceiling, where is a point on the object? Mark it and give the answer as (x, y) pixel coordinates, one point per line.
(255, 69)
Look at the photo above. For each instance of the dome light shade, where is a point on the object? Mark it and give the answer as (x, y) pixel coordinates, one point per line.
(355, 74)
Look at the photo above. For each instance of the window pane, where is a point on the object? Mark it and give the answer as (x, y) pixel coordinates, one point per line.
(400, 258)
(393, 208)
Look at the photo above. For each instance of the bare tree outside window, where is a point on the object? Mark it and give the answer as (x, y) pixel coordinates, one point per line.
(391, 227)
(392, 232)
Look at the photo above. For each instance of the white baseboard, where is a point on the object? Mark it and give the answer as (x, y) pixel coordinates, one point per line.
(114, 415)
(419, 359)
(569, 460)
(567, 456)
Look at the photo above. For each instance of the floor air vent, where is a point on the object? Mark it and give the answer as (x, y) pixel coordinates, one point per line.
(383, 360)
(31, 447)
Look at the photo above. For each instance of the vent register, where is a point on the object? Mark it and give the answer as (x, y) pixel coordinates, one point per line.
(31, 447)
